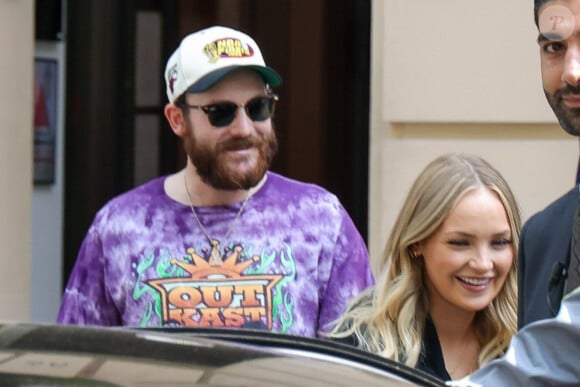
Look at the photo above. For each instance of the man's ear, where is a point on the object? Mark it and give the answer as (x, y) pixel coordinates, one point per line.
(175, 118)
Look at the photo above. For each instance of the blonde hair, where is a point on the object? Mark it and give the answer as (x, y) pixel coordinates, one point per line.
(389, 319)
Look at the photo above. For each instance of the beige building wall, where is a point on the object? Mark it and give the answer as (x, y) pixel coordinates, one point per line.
(460, 76)
(16, 70)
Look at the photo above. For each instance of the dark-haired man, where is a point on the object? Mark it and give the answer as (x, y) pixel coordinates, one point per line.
(547, 263)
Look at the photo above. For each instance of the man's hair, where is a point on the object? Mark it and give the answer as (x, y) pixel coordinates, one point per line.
(537, 5)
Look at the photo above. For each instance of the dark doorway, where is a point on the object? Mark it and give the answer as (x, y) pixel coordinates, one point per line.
(320, 47)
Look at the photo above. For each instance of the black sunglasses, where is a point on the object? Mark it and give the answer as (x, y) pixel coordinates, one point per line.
(222, 114)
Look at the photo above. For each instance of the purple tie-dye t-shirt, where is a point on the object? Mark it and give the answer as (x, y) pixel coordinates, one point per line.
(291, 263)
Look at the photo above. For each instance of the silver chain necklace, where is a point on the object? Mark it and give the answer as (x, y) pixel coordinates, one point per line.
(215, 255)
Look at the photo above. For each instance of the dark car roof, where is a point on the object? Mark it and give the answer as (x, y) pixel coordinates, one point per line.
(59, 355)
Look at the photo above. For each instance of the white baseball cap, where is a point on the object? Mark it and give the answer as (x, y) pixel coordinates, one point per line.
(206, 56)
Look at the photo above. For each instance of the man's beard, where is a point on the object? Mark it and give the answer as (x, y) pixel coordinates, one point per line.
(215, 172)
(569, 119)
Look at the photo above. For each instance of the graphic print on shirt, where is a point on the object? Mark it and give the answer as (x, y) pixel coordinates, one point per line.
(237, 293)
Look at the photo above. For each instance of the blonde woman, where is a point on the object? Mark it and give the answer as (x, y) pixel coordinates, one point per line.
(445, 299)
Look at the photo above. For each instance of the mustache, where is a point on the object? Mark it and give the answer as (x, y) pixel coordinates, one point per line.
(237, 143)
(568, 90)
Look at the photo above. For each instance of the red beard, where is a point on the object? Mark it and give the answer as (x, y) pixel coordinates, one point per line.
(217, 174)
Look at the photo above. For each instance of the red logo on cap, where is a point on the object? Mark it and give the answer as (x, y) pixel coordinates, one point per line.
(172, 77)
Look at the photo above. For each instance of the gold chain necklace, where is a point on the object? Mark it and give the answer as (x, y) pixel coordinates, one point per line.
(215, 255)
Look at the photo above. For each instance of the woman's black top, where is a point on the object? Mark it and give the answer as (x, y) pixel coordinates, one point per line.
(431, 357)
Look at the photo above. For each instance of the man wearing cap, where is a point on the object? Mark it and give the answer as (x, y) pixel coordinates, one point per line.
(224, 242)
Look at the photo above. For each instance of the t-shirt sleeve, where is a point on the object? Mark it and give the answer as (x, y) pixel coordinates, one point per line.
(349, 272)
(85, 300)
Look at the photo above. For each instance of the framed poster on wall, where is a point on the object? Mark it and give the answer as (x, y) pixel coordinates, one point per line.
(45, 114)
